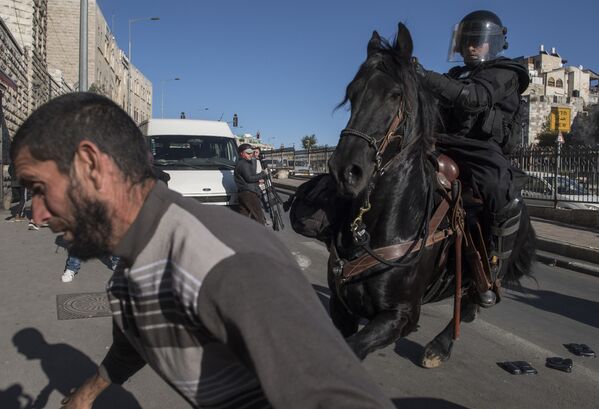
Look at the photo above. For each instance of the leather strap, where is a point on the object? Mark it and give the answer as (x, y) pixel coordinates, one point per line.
(396, 251)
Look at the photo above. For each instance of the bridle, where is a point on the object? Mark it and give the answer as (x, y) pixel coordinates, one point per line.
(357, 227)
(380, 147)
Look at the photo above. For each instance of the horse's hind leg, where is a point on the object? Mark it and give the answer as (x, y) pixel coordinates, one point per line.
(439, 349)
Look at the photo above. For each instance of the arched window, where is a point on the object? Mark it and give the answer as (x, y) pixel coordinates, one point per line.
(551, 82)
(559, 83)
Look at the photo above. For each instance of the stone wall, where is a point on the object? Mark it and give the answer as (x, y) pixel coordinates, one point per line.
(13, 64)
(63, 39)
(108, 67)
(539, 110)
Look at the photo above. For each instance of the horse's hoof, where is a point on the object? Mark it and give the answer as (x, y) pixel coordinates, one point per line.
(434, 355)
(431, 362)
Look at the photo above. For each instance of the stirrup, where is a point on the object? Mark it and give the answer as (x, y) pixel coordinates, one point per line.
(487, 299)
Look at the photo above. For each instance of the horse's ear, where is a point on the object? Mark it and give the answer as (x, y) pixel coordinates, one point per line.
(374, 44)
(403, 41)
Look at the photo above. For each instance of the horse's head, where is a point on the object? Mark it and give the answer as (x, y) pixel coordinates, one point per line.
(383, 95)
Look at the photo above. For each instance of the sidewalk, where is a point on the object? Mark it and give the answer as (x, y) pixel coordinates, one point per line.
(42, 351)
(564, 245)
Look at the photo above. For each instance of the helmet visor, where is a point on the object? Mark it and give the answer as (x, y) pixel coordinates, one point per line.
(474, 41)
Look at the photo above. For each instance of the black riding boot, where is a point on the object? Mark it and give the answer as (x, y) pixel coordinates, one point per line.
(504, 229)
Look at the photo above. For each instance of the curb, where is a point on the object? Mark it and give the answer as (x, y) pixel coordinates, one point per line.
(588, 255)
(571, 257)
(564, 262)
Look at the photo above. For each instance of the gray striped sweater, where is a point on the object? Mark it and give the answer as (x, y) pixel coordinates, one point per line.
(217, 306)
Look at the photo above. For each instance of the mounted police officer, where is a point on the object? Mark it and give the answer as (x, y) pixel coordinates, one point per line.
(480, 104)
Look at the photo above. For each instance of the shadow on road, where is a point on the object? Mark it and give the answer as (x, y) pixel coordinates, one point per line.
(425, 403)
(14, 398)
(411, 350)
(578, 309)
(66, 368)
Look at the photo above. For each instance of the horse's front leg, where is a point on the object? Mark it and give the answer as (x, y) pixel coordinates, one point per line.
(385, 328)
(346, 322)
(439, 349)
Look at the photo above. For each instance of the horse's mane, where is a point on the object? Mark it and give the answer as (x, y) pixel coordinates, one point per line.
(420, 106)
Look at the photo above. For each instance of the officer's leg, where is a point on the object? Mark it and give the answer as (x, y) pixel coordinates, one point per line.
(501, 216)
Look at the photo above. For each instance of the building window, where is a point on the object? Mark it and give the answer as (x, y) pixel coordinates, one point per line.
(559, 83)
(551, 82)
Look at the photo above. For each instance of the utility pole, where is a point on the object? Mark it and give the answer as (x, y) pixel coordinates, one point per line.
(83, 46)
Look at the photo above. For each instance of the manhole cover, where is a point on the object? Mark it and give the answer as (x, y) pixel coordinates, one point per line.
(82, 305)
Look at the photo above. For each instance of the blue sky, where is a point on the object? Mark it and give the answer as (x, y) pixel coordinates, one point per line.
(283, 66)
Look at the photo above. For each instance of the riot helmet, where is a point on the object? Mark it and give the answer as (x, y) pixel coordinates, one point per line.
(478, 37)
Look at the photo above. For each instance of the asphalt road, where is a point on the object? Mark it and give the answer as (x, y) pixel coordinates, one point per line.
(531, 323)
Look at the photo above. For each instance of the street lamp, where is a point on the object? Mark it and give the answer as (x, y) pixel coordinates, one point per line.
(134, 20)
(162, 94)
(203, 109)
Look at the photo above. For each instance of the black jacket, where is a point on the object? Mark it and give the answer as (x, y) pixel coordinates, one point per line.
(481, 102)
(246, 177)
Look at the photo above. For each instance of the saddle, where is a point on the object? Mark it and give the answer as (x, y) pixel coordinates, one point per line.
(475, 249)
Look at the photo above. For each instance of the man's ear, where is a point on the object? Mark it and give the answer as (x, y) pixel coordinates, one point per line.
(90, 164)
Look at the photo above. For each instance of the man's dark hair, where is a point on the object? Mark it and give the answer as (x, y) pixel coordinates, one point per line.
(54, 131)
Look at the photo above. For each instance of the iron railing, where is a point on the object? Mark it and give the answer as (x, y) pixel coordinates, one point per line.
(566, 173)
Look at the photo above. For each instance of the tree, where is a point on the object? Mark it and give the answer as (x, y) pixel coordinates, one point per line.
(547, 136)
(309, 141)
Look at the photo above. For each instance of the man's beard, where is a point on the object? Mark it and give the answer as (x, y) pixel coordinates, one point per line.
(92, 229)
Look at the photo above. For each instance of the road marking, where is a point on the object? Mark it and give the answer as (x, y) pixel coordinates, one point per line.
(303, 261)
(313, 245)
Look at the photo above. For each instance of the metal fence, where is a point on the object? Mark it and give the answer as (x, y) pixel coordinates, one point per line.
(568, 173)
(311, 161)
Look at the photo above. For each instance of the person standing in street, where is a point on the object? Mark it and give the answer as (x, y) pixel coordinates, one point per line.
(247, 181)
(73, 265)
(215, 304)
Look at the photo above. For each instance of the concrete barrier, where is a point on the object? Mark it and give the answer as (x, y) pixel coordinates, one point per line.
(577, 217)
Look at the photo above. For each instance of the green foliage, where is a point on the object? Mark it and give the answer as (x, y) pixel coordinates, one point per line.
(309, 141)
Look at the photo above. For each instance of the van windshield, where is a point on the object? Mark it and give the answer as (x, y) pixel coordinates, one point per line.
(193, 151)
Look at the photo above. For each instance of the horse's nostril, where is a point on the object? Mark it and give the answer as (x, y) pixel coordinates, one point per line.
(353, 174)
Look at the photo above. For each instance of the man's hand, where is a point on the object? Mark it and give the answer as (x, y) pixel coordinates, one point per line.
(84, 396)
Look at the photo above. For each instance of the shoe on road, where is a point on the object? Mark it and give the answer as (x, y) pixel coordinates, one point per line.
(68, 276)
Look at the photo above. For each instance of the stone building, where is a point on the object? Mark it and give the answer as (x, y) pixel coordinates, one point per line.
(557, 93)
(13, 81)
(108, 66)
(26, 20)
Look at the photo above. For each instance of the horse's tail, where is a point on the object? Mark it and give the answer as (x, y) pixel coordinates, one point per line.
(524, 250)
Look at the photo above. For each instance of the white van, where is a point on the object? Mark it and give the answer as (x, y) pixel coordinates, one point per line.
(199, 156)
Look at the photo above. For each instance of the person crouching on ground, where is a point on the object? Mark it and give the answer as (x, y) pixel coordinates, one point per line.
(248, 187)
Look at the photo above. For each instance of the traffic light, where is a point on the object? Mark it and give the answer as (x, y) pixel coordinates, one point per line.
(258, 135)
(235, 120)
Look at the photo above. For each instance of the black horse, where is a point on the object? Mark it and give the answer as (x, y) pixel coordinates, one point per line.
(383, 168)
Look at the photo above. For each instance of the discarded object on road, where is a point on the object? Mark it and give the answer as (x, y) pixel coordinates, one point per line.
(518, 367)
(559, 363)
(580, 350)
